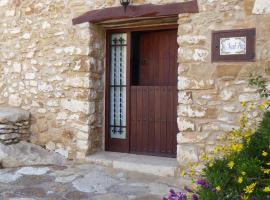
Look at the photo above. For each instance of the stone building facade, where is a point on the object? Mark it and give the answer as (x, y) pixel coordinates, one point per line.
(56, 71)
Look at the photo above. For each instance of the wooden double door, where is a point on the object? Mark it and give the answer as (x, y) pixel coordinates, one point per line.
(142, 92)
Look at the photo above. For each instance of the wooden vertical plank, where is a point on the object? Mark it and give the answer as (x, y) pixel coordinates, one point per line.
(163, 58)
(157, 119)
(151, 55)
(169, 122)
(145, 118)
(151, 103)
(155, 61)
(133, 120)
(163, 118)
(173, 58)
(139, 119)
(145, 53)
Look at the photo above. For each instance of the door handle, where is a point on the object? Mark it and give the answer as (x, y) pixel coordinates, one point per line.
(144, 61)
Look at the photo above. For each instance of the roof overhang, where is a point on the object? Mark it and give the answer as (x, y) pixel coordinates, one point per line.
(146, 11)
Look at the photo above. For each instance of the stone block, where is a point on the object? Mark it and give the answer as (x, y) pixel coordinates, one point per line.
(188, 83)
(233, 108)
(75, 105)
(17, 67)
(191, 40)
(227, 94)
(192, 137)
(9, 136)
(187, 154)
(261, 7)
(184, 97)
(185, 125)
(4, 2)
(6, 131)
(30, 76)
(191, 111)
(247, 97)
(81, 82)
(248, 6)
(192, 55)
(15, 100)
(267, 68)
(9, 114)
(228, 70)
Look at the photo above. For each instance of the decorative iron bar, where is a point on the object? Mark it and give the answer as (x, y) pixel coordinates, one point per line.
(118, 86)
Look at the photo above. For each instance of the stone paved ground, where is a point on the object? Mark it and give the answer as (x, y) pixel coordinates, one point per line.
(81, 182)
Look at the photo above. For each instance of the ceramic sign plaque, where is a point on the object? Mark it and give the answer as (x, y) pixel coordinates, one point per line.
(233, 45)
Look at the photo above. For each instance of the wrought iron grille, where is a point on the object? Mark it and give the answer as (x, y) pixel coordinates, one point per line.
(118, 86)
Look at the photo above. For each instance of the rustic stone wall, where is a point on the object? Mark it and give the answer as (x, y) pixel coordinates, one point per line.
(210, 93)
(56, 71)
(49, 67)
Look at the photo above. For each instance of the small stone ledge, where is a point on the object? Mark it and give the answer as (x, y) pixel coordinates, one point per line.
(158, 166)
(14, 125)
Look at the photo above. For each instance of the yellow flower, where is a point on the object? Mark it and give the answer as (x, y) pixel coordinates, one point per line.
(211, 164)
(240, 179)
(231, 164)
(261, 106)
(264, 153)
(266, 189)
(243, 173)
(243, 104)
(204, 157)
(183, 173)
(218, 188)
(266, 171)
(237, 147)
(267, 102)
(249, 189)
(216, 150)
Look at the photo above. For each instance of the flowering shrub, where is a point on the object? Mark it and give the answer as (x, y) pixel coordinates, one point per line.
(244, 173)
(240, 168)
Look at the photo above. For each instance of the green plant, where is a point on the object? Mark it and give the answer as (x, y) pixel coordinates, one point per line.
(261, 85)
(244, 174)
(239, 168)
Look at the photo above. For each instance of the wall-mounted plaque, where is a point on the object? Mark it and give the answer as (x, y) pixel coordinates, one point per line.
(233, 45)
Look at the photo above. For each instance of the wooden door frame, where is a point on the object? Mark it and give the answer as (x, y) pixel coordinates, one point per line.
(128, 31)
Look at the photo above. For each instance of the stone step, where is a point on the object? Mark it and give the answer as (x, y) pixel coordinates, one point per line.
(158, 166)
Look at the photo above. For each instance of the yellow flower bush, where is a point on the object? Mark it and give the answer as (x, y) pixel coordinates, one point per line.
(238, 160)
(239, 166)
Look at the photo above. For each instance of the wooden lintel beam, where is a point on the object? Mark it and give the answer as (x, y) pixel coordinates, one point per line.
(135, 11)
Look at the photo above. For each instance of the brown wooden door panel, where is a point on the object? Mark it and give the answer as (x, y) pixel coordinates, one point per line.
(157, 58)
(155, 95)
(155, 129)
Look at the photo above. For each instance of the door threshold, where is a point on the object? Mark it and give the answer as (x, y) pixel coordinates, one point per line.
(159, 166)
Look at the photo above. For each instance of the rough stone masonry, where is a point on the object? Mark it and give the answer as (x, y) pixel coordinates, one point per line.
(14, 125)
(56, 71)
